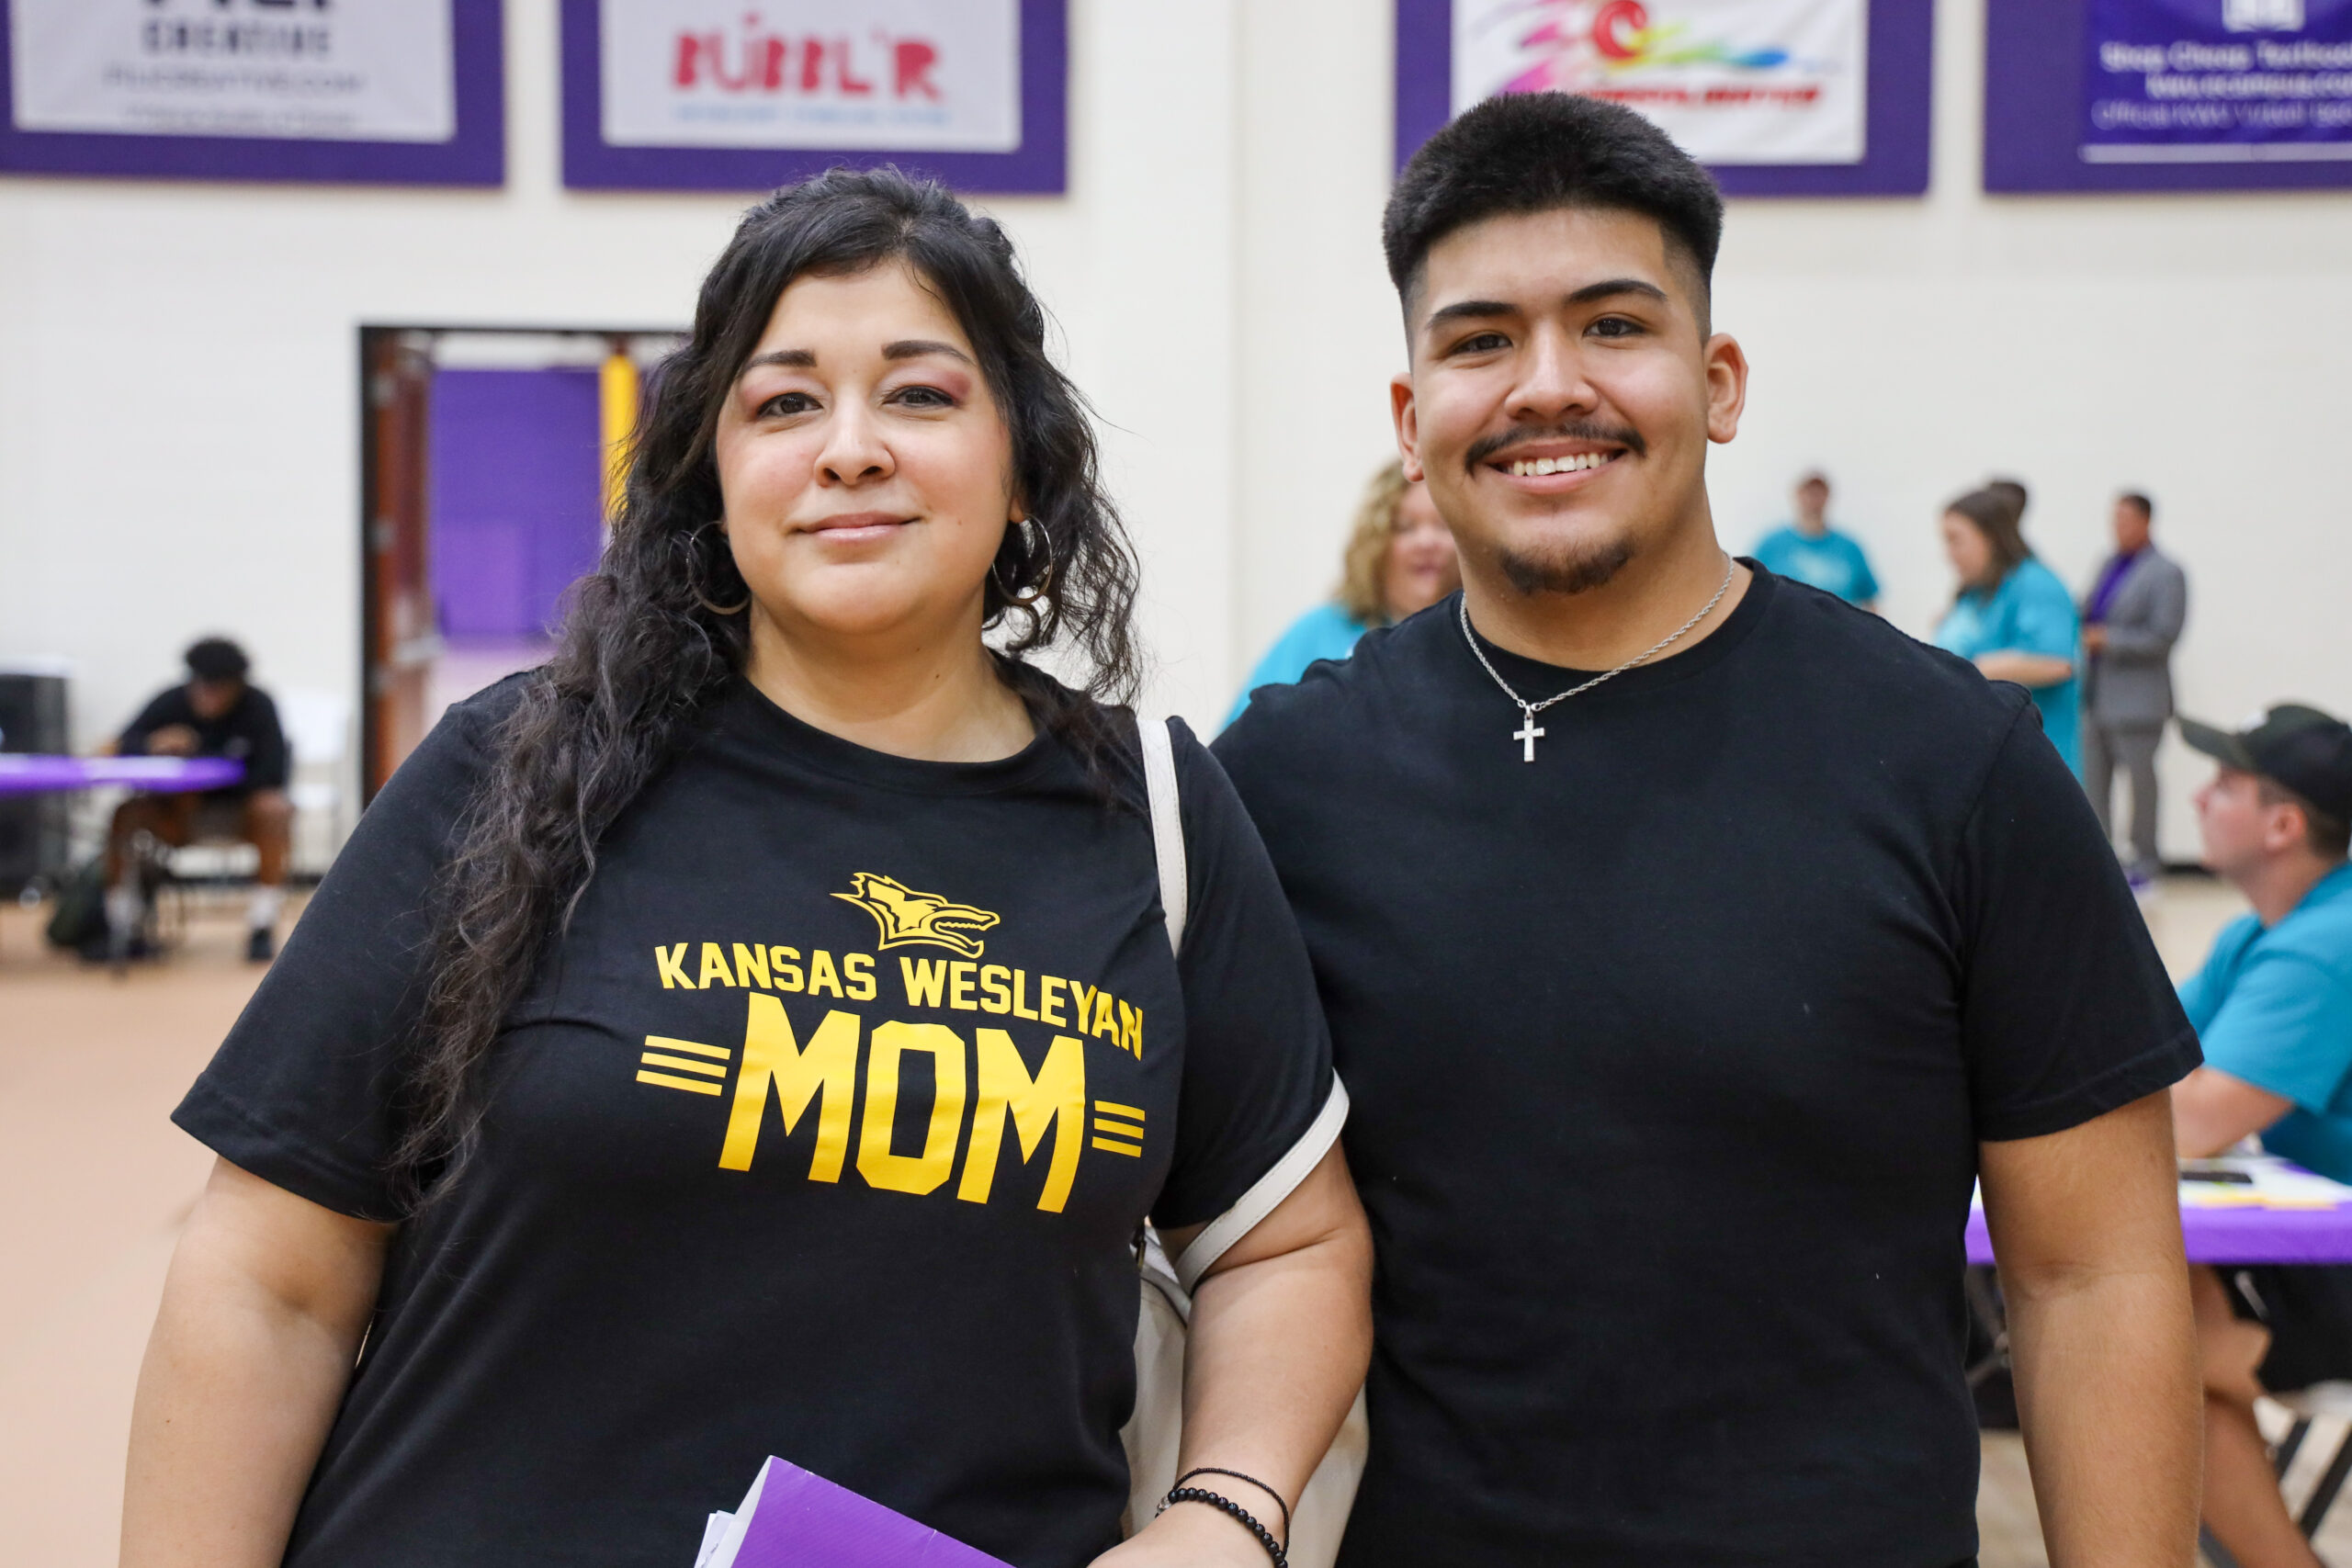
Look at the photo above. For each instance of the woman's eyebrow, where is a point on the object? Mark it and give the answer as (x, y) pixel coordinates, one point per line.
(915, 348)
(790, 359)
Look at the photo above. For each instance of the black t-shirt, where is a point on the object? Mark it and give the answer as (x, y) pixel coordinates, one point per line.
(248, 732)
(1668, 1057)
(824, 1132)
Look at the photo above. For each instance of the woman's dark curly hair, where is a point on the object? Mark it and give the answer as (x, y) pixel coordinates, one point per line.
(651, 638)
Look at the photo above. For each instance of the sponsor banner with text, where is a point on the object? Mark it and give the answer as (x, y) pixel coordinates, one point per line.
(348, 72)
(930, 75)
(747, 94)
(2217, 81)
(1735, 82)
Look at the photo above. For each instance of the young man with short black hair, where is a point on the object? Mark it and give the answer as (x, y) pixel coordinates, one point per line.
(1690, 942)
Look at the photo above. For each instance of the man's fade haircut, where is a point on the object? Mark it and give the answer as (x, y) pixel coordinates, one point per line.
(1522, 152)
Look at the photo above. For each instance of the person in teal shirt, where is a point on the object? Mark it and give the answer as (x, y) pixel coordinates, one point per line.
(1809, 551)
(2013, 619)
(2273, 1009)
(1399, 559)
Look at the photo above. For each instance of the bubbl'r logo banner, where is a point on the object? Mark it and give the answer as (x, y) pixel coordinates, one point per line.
(2218, 82)
(308, 69)
(1732, 80)
(910, 75)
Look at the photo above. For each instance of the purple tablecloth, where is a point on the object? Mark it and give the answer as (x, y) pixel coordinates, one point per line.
(2238, 1236)
(38, 774)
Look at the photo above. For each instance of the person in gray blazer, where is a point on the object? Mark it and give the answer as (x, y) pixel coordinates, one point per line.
(2132, 617)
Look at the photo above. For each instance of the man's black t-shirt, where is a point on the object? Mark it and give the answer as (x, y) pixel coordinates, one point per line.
(1669, 1056)
(247, 732)
(825, 1132)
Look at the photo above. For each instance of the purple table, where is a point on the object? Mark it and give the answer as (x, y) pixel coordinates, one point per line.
(2236, 1235)
(38, 774)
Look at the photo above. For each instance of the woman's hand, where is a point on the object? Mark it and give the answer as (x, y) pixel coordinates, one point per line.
(1195, 1534)
(2033, 670)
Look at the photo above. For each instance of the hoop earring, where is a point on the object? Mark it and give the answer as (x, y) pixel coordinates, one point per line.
(1045, 579)
(693, 555)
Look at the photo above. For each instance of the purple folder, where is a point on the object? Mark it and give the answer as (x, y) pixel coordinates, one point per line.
(792, 1518)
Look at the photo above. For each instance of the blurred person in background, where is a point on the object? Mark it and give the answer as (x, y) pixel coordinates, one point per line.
(214, 713)
(1808, 550)
(2132, 619)
(2015, 493)
(1400, 560)
(2273, 1006)
(2012, 617)
(505, 1259)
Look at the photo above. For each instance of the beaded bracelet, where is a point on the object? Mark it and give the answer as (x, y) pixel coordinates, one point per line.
(1240, 1516)
(1220, 1469)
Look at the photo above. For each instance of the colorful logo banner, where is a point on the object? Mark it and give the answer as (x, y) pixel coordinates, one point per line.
(350, 72)
(1765, 82)
(2218, 82)
(921, 76)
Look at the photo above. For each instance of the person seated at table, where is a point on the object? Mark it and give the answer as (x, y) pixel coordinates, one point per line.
(1400, 560)
(2273, 1006)
(215, 712)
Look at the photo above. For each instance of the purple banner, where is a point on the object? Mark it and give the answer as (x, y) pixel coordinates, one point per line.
(2167, 94)
(704, 94)
(1884, 145)
(253, 90)
(2217, 81)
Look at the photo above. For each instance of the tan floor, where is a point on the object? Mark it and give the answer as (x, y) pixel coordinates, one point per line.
(90, 1066)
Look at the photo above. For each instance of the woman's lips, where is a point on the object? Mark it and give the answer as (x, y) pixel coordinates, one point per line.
(856, 527)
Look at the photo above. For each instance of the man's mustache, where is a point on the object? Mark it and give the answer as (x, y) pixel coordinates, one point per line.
(1489, 446)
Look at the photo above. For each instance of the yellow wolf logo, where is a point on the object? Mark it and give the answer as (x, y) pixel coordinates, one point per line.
(909, 919)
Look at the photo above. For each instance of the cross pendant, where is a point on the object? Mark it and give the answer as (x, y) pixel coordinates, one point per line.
(1527, 735)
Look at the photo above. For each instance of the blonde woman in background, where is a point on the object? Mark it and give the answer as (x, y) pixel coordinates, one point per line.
(1400, 560)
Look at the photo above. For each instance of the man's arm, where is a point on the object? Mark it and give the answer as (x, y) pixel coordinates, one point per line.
(2212, 1109)
(271, 760)
(156, 714)
(2085, 1226)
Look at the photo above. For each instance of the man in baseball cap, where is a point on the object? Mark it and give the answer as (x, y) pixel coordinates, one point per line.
(2273, 1007)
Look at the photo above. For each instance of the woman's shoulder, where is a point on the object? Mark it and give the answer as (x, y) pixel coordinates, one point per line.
(2034, 579)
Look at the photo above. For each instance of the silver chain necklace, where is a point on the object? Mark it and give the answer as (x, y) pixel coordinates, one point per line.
(1529, 733)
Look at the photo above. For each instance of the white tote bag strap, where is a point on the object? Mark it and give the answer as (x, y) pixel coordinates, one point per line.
(1167, 825)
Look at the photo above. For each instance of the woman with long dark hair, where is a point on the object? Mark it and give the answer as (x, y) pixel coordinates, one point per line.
(756, 1032)
(2011, 617)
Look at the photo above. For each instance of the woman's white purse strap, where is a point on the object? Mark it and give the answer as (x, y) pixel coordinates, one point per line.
(1155, 1432)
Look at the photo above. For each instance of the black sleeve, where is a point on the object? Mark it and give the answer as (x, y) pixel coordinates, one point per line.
(1257, 1055)
(2066, 1010)
(302, 1093)
(164, 708)
(269, 762)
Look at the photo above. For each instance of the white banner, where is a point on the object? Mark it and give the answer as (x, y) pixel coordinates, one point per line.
(919, 75)
(313, 70)
(1732, 80)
